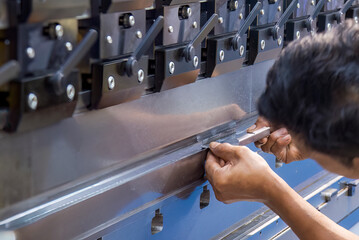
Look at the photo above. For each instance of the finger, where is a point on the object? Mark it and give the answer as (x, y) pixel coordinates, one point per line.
(280, 146)
(224, 151)
(261, 122)
(261, 142)
(273, 138)
(222, 163)
(212, 166)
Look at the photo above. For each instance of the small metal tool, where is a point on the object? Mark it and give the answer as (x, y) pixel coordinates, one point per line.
(245, 139)
(254, 136)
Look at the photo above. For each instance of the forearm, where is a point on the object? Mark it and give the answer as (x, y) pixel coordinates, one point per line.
(306, 221)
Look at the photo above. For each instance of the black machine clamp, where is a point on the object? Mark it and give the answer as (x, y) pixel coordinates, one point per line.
(266, 41)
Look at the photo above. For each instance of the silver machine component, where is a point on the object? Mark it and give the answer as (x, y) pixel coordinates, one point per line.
(108, 108)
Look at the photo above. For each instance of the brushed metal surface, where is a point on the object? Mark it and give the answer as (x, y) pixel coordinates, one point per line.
(40, 160)
(54, 9)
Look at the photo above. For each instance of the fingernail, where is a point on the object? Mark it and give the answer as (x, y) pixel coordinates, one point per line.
(213, 145)
(252, 127)
(286, 138)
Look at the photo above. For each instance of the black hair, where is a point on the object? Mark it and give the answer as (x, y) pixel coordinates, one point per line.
(313, 91)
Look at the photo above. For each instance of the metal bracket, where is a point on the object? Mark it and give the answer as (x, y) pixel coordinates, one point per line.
(327, 20)
(328, 194)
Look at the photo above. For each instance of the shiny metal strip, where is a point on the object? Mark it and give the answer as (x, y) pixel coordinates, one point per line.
(254, 136)
(121, 175)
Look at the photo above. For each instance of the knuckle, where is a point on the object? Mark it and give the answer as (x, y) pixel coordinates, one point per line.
(240, 150)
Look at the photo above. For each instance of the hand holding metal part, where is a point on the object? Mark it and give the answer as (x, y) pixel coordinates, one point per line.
(189, 51)
(236, 41)
(9, 71)
(132, 62)
(275, 29)
(58, 79)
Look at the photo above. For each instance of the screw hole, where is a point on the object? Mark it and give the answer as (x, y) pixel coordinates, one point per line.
(157, 222)
(204, 198)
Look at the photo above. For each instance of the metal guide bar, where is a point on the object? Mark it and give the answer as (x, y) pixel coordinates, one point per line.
(121, 174)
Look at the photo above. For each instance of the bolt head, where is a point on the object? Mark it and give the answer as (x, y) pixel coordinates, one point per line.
(312, 2)
(241, 16)
(233, 5)
(111, 82)
(329, 0)
(298, 5)
(220, 20)
(221, 55)
(194, 24)
(139, 34)
(131, 20)
(241, 50)
(59, 31)
(170, 29)
(263, 44)
(329, 26)
(32, 101)
(279, 8)
(30, 52)
(109, 39)
(189, 12)
(262, 11)
(140, 76)
(70, 92)
(279, 41)
(68, 46)
(171, 67)
(297, 34)
(185, 12)
(195, 61)
(356, 20)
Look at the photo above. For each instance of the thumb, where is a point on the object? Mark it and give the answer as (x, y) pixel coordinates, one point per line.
(212, 166)
(260, 123)
(224, 151)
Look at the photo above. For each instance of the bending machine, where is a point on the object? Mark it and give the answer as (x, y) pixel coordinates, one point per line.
(107, 107)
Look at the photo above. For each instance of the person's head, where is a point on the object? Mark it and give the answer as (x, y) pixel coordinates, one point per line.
(313, 91)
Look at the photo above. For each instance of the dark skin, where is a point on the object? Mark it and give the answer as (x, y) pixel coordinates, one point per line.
(237, 174)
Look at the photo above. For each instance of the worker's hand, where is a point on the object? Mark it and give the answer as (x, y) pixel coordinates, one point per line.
(236, 173)
(279, 142)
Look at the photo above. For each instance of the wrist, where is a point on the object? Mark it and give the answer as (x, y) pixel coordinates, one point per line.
(275, 189)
